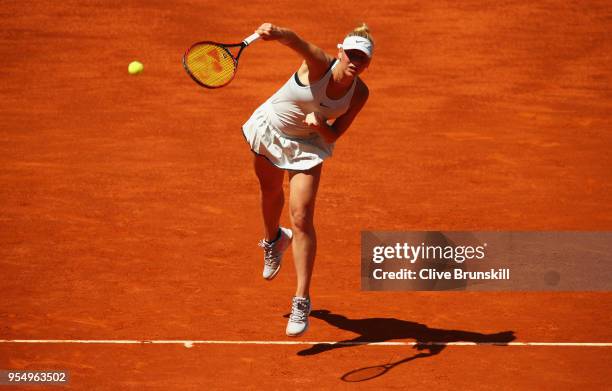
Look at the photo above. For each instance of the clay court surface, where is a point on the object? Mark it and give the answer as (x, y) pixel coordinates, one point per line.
(129, 209)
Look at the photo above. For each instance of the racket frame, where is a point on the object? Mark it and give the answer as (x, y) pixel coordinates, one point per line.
(246, 42)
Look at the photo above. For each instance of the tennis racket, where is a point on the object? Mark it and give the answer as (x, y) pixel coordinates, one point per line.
(211, 64)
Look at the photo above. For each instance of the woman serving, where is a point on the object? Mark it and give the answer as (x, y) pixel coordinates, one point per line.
(295, 131)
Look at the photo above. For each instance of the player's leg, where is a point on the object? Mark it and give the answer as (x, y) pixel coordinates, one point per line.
(272, 196)
(303, 191)
(303, 187)
(277, 239)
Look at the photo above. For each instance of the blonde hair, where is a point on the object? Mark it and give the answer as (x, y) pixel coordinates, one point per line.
(361, 31)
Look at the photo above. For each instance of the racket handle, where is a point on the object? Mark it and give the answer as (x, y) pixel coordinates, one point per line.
(251, 38)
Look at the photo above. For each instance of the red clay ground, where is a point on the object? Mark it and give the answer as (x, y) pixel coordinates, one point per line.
(129, 209)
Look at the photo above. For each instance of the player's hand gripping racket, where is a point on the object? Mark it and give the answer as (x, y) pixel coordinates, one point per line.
(211, 64)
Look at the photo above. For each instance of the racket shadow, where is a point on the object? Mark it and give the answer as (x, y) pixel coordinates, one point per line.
(428, 341)
(368, 373)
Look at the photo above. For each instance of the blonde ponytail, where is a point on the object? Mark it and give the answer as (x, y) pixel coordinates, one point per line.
(362, 31)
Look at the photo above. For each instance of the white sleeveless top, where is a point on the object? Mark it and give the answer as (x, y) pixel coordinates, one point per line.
(275, 129)
(287, 108)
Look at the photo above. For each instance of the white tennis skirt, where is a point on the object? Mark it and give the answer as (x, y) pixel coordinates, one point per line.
(282, 150)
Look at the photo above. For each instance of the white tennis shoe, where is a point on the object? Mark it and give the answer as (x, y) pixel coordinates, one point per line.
(273, 253)
(298, 319)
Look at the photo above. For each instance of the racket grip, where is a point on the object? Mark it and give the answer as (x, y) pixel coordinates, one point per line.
(251, 38)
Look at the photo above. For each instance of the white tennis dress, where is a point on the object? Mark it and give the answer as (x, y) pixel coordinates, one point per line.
(275, 130)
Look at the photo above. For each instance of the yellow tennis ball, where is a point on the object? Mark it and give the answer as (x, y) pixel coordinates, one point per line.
(135, 67)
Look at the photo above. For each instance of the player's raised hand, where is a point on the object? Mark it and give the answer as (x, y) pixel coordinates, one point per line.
(270, 32)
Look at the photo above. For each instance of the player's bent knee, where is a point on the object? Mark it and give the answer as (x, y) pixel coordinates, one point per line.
(271, 189)
(302, 219)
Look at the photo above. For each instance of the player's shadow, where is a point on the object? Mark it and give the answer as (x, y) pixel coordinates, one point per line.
(429, 341)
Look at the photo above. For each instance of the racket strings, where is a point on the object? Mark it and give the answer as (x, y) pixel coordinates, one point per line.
(211, 64)
(368, 373)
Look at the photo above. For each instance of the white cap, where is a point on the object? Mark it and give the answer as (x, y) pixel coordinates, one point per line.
(355, 42)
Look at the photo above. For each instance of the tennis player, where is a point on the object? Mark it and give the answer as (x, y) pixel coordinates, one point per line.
(295, 131)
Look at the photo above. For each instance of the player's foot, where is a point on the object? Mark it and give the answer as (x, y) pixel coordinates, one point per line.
(273, 252)
(298, 319)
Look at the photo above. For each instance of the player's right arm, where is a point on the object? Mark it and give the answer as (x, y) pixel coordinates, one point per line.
(316, 59)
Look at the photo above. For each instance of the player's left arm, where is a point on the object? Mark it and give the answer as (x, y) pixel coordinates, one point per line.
(332, 132)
